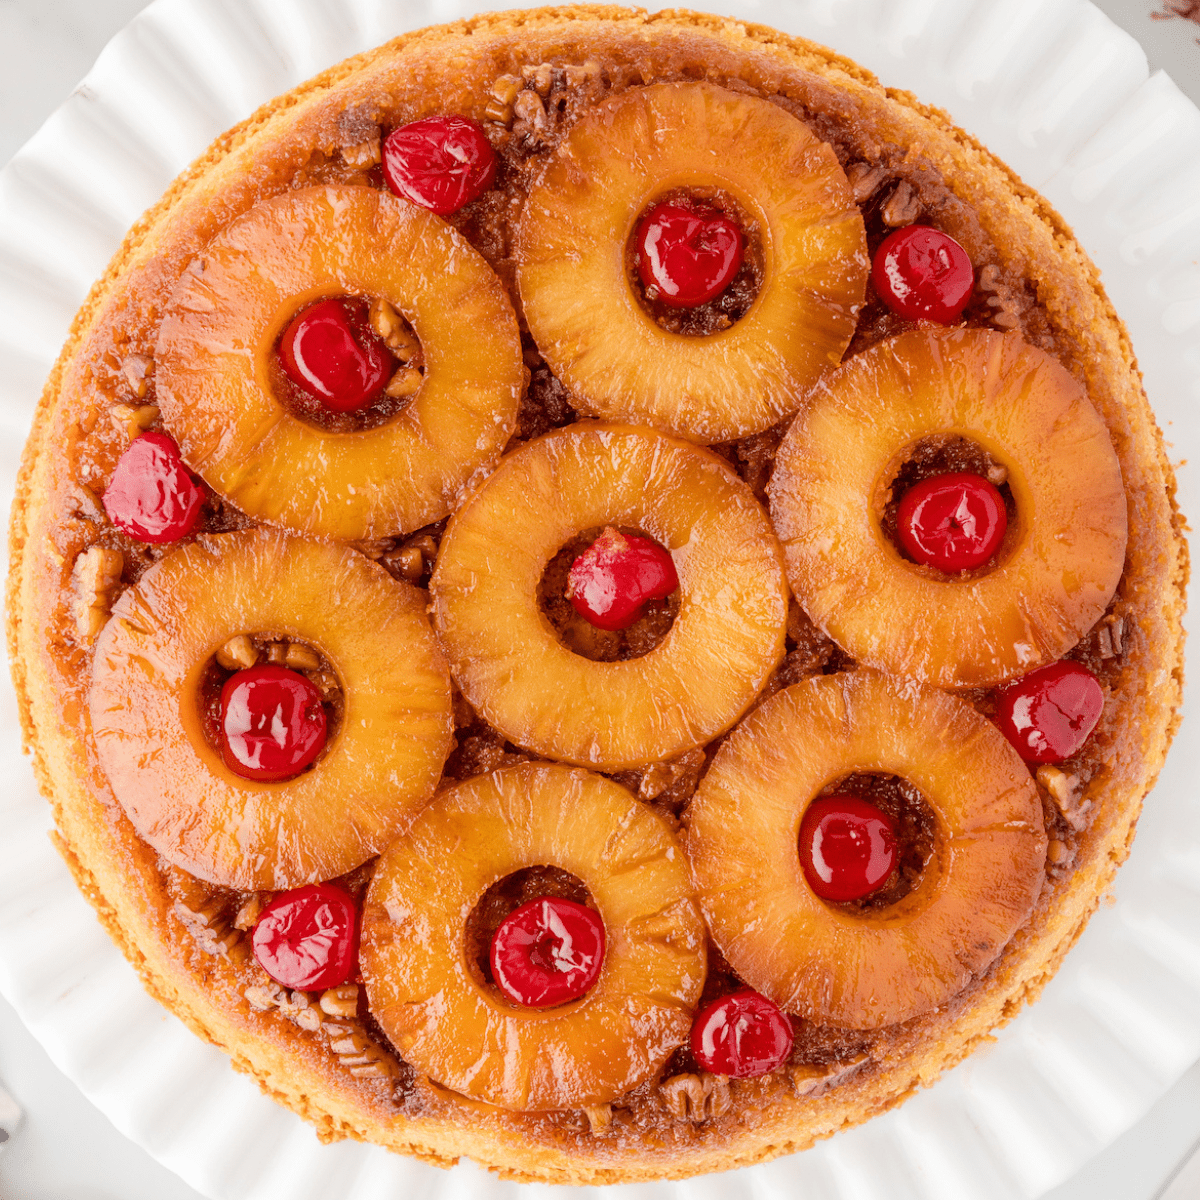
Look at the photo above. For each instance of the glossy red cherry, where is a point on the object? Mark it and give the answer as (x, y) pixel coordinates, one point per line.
(847, 847)
(952, 522)
(611, 581)
(689, 255)
(1049, 713)
(272, 723)
(440, 163)
(741, 1035)
(923, 275)
(308, 938)
(547, 952)
(321, 354)
(152, 496)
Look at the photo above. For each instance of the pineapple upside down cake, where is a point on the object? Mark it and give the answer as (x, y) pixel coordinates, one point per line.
(596, 591)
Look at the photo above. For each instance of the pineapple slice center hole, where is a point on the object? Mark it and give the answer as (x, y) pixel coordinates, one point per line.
(254, 649)
(371, 321)
(506, 896)
(915, 823)
(577, 633)
(729, 306)
(944, 454)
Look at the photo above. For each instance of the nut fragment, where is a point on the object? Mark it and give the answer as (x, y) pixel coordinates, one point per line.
(301, 658)
(408, 562)
(1064, 789)
(528, 108)
(996, 474)
(599, 1116)
(1057, 852)
(277, 653)
(96, 573)
(541, 76)
(696, 1098)
(364, 155)
(902, 207)
(404, 383)
(248, 914)
(133, 421)
(264, 996)
(1110, 637)
(298, 1008)
(340, 1001)
(662, 776)
(864, 179)
(390, 327)
(238, 653)
(505, 88)
(136, 370)
(811, 1079)
(588, 72)
(358, 1053)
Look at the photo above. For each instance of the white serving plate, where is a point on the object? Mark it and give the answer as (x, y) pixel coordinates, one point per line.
(1050, 85)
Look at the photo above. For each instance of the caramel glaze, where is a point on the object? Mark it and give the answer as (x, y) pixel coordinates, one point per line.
(1009, 300)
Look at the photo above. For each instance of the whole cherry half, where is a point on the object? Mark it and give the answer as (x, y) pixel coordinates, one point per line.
(612, 580)
(322, 354)
(308, 938)
(1050, 713)
(688, 255)
(741, 1035)
(272, 723)
(952, 522)
(152, 496)
(440, 163)
(847, 847)
(923, 274)
(548, 952)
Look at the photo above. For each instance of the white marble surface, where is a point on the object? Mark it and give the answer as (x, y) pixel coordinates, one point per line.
(66, 1149)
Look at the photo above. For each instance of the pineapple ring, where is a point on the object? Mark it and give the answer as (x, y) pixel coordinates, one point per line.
(834, 965)
(227, 312)
(506, 656)
(1030, 413)
(463, 1032)
(572, 250)
(383, 763)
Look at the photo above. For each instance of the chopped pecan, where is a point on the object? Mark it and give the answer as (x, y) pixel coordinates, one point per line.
(136, 369)
(696, 1098)
(404, 383)
(1066, 793)
(238, 653)
(1110, 637)
(96, 573)
(249, 912)
(864, 179)
(599, 1117)
(340, 1001)
(301, 657)
(299, 1009)
(133, 421)
(662, 776)
(363, 155)
(541, 76)
(358, 1053)
(812, 1079)
(902, 207)
(265, 996)
(393, 331)
(1057, 852)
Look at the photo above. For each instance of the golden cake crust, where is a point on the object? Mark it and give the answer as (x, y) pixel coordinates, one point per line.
(452, 68)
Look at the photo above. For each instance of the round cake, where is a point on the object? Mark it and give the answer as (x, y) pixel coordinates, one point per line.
(596, 591)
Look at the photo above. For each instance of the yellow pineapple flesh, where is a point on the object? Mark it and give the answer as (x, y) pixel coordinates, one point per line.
(396, 727)
(1061, 563)
(727, 637)
(231, 306)
(458, 1028)
(864, 968)
(575, 288)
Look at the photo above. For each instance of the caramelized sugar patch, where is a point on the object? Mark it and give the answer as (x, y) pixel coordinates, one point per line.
(946, 454)
(577, 633)
(372, 321)
(915, 824)
(737, 298)
(246, 650)
(506, 896)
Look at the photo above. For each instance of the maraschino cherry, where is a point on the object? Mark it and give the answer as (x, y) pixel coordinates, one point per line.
(688, 255)
(847, 847)
(923, 274)
(548, 952)
(308, 938)
(152, 496)
(741, 1035)
(321, 353)
(272, 723)
(440, 163)
(1049, 713)
(612, 580)
(952, 522)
